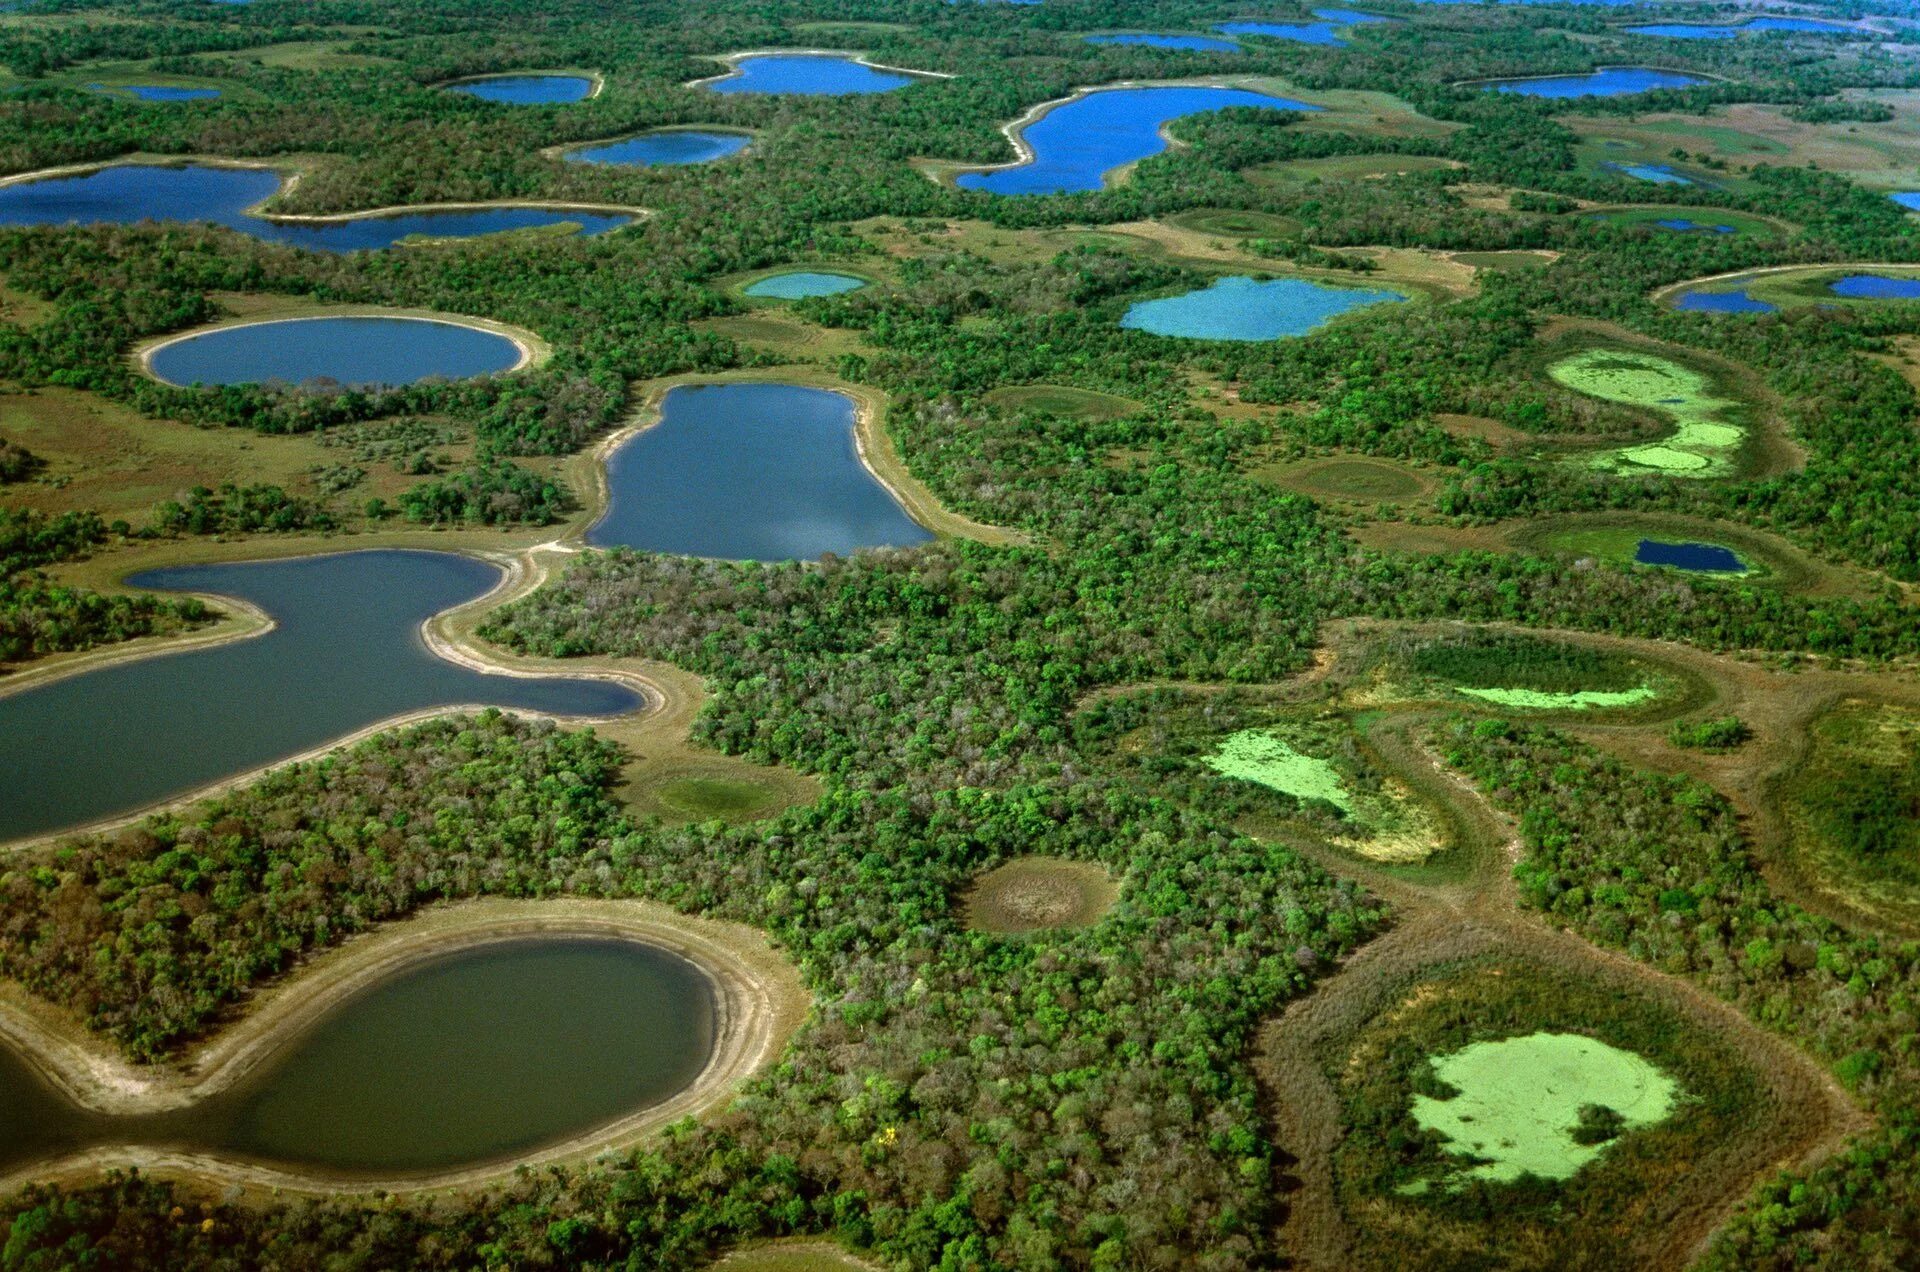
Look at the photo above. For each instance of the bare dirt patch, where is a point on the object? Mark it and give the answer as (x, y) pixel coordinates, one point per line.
(1036, 894)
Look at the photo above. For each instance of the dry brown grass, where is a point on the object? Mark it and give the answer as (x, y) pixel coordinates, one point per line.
(1037, 894)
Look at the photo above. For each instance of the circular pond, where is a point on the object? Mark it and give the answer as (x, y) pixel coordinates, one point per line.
(372, 351)
(802, 285)
(1242, 308)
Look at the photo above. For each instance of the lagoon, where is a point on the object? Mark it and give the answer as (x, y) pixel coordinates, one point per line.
(1908, 199)
(757, 472)
(1701, 31)
(1875, 287)
(526, 90)
(1658, 173)
(1708, 558)
(1727, 302)
(1075, 144)
(1300, 32)
(662, 148)
(1242, 308)
(346, 350)
(802, 285)
(1190, 43)
(124, 193)
(1613, 81)
(157, 92)
(345, 652)
(807, 74)
(469, 1057)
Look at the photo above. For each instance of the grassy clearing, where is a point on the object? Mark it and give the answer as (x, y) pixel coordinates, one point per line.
(1523, 1104)
(1522, 672)
(1237, 223)
(1060, 399)
(1256, 755)
(1851, 807)
(1323, 766)
(694, 786)
(1347, 168)
(1038, 894)
(1711, 151)
(1880, 155)
(1705, 443)
(1742, 222)
(305, 55)
(1350, 480)
(786, 337)
(1361, 112)
(1521, 258)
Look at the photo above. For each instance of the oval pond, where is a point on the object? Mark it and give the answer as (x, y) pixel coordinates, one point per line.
(807, 74)
(359, 351)
(526, 90)
(663, 148)
(802, 285)
(1242, 308)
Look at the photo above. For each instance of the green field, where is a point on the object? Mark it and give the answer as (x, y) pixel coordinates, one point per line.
(1852, 809)
(1235, 223)
(1256, 756)
(1060, 399)
(1348, 168)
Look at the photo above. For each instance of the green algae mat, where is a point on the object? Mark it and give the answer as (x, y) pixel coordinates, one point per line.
(1256, 755)
(1578, 700)
(1521, 1101)
(1704, 443)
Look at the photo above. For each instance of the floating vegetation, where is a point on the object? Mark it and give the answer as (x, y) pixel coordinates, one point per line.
(1704, 444)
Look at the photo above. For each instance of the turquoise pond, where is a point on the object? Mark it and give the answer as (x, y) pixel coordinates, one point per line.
(662, 148)
(1613, 81)
(802, 285)
(468, 1057)
(345, 652)
(124, 193)
(1241, 308)
(750, 472)
(807, 74)
(344, 350)
(1075, 144)
(526, 90)
(157, 92)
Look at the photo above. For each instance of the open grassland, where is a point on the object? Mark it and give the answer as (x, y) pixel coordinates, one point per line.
(1038, 894)
(1060, 399)
(797, 1254)
(1351, 480)
(785, 336)
(1237, 223)
(1347, 168)
(1362, 112)
(1880, 155)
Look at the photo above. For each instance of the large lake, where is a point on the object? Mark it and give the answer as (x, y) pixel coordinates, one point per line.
(807, 74)
(758, 472)
(129, 192)
(346, 652)
(465, 1058)
(1077, 143)
(1614, 81)
(663, 148)
(1241, 308)
(346, 350)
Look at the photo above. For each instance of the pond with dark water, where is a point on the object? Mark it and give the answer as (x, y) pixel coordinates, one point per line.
(365, 351)
(1875, 287)
(663, 148)
(1708, 558)
(808, 75)
(526, 90)
(1613, 81)
(157, 92)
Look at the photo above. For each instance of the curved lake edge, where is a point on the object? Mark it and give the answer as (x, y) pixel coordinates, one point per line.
(533, 351)
(596, 78)
(759, 1002)
(945, 172)
(290, 176)
(1708, 76)
(1667, 294)
(447, 636)
(732, 62)
(563, 150)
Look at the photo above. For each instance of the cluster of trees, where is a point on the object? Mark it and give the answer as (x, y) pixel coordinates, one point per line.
(40, 617)
(490, 491)
(235, 509)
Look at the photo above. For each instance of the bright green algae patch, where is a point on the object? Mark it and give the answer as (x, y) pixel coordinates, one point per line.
(1704, 443)
(1258, 756)
(1579, 700)
(1520, 1099)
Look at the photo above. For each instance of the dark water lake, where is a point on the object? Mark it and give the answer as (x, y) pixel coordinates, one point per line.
(1241, 308)
(1077, 143)
(802, 285)
(754, 472)
(358, 351)
(157, 92)
(1729, 302)
(1190, 43)
(1696, 31)
(1876, 287)
(808, 74)
(463, 1058)
(129, 192)
(663, 148)
(346, 653)
(527, 90)
(1615, 81)
(1705, 557)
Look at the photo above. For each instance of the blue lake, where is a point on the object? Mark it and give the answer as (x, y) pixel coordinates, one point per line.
(1684, 225)
(802, 285)
(129, 192)
(1658, 173)
(1908, 199)
(664, 147)
(1074, 145)
(1241, 308)
(345, 653)
(1730, 302)
(1299, 32)
(1705, 557)
(1876, 287)
(157, 92)
(810, 74)
(359, 351)
(751, 472)
(1696, 31)
(1617, 81)
(1191, 43)
(526, 90)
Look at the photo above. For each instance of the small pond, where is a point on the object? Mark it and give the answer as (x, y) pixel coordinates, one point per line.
(464, 1058)
(807, 74)
(1658, 173)
(1241, 308)
(1698, 31)
(130, 192)
(345, 653)
(802, 285)
(356, 351)
(1190, 43)
(1726, 302)
(1350, 17)
(1875, 287)
(157, 92)
(1908, 199)
(1706, 558)
(1298, 32)
(526, 90)
(1686, 225)
(1613, 81)
(1074, 145)
(663, 148)
(759, 472)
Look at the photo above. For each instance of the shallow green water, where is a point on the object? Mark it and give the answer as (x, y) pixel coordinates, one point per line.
(1703, 443)
(1255, 755)
(470, 1057)
(1579, 700)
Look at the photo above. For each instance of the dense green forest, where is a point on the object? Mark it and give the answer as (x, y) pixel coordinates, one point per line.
(1077, 1099)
